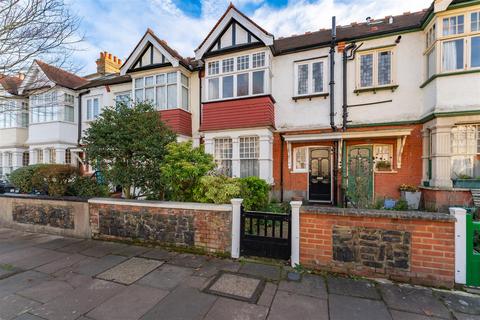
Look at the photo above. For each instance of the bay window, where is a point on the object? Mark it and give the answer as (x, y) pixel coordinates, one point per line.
(93, 108)
(39, 153)
(165, 91)
(310, 77)
(452, 58)
(475, 21)
(465, 147)
(453, 25)
(13, 114)
(375, 68)
(249, 152)
(239, 76)
(475, 52)
(223, 155)
(49, 106)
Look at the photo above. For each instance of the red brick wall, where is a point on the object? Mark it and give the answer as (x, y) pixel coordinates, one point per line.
(209, 230)
(179, 120)
(441, 200)
(432, 259)
(239, 113)
(385, 183)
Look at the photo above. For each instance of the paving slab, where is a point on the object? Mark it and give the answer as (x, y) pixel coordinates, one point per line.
(16, 255)
(237, 286)
(94, 266)
(266, 298)
(461, 302)
(130, 271)
(7, 270)
(159, 254)
(166, 277)
(265, 271)
(196, 282)
(353, 308)
(310, 285)
(74, 279)
(21, 281)
(28, 316)
(414, 300)
(463, 316)
(77, 246)
(101, 249)
(79, 301)
(225, 308)
(131, 303)
(61, 263)
(188, 260)
(37, 260)
(352, 287)
(131, 251)
(58, 243)
(402, 315)
(183, 303)
(214, 265)
(288, 306)
(13, 305)
(46, 291)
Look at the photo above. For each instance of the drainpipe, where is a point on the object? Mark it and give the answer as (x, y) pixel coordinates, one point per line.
(346, 57)
(79, 137)
(200, 98)
(332, 74)
(281, 167)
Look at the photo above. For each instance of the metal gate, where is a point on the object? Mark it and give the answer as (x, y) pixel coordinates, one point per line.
(360, 176)
(265, 234)
(473, 251)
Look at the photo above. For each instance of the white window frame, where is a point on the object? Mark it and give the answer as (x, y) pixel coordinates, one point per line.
(390, 148)
(219, 158)
(178, 83)
(375, 53)
(305, 151)
(310, 89)
(249, 155)
(250, 70)
(90, 114)
(118, 96)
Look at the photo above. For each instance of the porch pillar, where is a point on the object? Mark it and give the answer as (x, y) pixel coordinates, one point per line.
(441, 156)
(460, 244)
(236, 157)
(295, 258)
(265, 158)
(236, 216)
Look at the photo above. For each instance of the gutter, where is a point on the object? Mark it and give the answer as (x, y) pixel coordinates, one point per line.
(79, 133)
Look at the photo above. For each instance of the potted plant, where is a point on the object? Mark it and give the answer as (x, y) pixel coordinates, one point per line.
(384, 165)
(411, 194)
(466, 181)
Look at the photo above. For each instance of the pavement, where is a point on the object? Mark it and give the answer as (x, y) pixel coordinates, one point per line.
(51, 277)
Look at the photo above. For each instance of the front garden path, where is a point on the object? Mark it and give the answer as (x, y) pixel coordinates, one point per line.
(50, 277)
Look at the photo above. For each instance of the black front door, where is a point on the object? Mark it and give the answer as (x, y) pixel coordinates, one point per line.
(320, 175)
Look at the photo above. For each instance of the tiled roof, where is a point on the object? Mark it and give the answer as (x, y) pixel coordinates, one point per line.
(107, 80)
(350, 32)
(60, 76)
(10, 84)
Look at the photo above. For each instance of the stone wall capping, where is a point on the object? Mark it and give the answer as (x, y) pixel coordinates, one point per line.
(43, 197)
(404, 215)
(163, 204)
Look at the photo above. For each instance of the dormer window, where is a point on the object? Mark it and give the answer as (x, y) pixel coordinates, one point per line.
(240, 76)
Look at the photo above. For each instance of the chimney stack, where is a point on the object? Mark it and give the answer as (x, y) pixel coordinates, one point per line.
(108, 63)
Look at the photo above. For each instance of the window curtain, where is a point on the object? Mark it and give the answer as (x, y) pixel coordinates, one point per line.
(453, 55)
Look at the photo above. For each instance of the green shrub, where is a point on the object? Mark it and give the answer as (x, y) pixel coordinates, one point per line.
(217, 189)
(54, 179)
(22, 177)
(401, 205)
(86, 187)
(254, 192)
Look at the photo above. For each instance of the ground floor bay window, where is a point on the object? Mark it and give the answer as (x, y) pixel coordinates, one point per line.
(242, 153)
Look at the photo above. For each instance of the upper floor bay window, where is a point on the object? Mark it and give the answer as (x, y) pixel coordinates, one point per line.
(165, 90)
(93, 108)
(453, 25)
(13, 114)
(239, 76)
(52, 106)
(310, 77)
(465, 147)
(375, 68)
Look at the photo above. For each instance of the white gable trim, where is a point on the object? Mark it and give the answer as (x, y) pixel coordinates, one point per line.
(139, 50)
(247, 24)
(29, 79)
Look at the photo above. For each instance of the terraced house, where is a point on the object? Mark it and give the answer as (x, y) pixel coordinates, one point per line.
(344, 114)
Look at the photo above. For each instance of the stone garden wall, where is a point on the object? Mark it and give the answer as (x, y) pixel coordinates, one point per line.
(202, 226)
(416, 247)
(59, 216)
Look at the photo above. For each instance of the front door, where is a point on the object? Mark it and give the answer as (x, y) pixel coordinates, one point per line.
(320, 175)
(360, 176)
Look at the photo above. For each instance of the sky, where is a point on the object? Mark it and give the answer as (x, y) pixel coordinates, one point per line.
(116, 26)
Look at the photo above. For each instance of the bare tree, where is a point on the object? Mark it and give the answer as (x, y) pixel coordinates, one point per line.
(36, 29)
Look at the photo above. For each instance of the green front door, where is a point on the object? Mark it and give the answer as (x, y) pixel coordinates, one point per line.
(360, 176)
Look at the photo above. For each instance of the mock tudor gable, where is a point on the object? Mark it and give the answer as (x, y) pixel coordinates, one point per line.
(233, 31)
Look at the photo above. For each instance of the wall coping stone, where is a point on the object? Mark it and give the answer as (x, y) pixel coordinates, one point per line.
(163, 204)
(43, 197)
(369, 213)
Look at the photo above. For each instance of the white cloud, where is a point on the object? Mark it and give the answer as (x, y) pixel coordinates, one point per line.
(116, 26)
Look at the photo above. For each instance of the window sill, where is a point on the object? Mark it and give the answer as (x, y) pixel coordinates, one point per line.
(375, 89)
(446, 74)
(386, 171)
(311, 96)
(299, 171)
